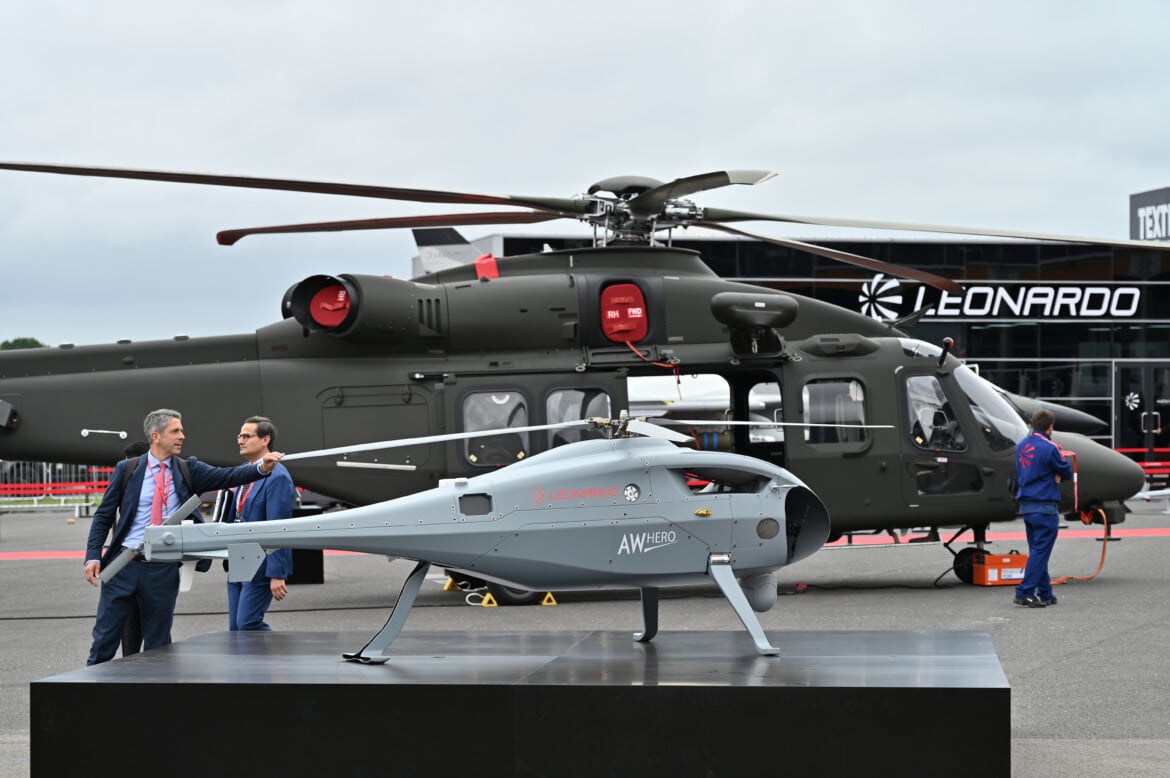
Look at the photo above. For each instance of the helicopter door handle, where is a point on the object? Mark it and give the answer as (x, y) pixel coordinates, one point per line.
(928, 465)
(988, 470)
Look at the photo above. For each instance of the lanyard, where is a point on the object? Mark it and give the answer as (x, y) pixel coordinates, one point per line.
(242, 500)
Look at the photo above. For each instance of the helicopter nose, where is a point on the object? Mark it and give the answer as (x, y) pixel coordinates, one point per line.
(1102, 473)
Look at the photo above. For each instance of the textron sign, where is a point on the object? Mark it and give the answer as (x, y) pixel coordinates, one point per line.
(886, 299)
(1149, 215)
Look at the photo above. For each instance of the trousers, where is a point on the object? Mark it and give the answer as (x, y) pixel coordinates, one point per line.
(155, 588)
(1040, 529)
(247, 604)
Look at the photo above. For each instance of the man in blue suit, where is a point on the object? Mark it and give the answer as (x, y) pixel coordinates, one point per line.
(134, 500)
(271, 498)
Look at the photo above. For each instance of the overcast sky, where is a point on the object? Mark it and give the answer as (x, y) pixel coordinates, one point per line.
(1024, 115)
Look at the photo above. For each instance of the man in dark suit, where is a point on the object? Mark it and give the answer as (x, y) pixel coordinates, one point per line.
(134, 500)
(132, 636)
(271, 498)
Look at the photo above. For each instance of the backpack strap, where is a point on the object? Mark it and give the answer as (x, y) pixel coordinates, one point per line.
(185, 469)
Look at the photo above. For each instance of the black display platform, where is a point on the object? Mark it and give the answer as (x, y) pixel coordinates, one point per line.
(534, 704)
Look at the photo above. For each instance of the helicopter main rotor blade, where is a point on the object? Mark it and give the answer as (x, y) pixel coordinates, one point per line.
(652, 200)
(230, 237)
(901, 271)
(313, 187)
(721, 215)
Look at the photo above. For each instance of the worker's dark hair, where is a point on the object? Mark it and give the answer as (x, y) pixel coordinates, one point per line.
(1043, 419)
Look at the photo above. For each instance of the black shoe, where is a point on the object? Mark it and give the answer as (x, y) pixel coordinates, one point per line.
(1031, 601)
(1046, 603)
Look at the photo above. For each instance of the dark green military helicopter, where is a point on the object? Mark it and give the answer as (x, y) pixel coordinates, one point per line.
(894, 433)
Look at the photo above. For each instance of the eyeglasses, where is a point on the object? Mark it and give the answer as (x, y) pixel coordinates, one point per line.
(246, 435)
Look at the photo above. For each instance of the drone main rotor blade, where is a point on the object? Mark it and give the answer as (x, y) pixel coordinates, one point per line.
(183, 511)
(120, 561)
(725, 422)
(229, 237)
(652, 430)
(325, 452)
(652, 200)
(901, 271)
(314, 187)
(719, 215)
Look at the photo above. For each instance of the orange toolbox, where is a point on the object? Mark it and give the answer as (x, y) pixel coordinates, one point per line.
(998, 569)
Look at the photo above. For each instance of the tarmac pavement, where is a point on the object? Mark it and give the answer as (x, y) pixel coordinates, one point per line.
(1089, 683)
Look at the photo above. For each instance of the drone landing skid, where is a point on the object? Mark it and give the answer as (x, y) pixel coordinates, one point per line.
(372, 652)
(649, 615)
(725, 578)
(378, 643)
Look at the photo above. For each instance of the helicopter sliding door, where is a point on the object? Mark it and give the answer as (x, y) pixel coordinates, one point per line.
(365, 414)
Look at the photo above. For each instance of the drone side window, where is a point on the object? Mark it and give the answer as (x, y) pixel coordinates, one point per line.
(721, 481)
(475, 504)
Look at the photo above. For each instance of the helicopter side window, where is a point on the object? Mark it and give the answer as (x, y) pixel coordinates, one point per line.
(933, 423)
(764, 406)
(495, 411)
(572, 405)
(834, 409)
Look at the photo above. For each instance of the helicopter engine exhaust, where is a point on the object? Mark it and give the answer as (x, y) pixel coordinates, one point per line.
(370, 309)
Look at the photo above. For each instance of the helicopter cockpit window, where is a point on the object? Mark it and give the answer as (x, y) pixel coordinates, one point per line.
(834, 409)
(572, 405)
(1002, 427)
(933, 423)
(495, 411)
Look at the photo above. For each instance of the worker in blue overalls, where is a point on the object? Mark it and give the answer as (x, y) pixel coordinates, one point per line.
(1040, 467)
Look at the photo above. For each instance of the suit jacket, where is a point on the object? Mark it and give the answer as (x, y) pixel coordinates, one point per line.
(271, 498)
(120, 502)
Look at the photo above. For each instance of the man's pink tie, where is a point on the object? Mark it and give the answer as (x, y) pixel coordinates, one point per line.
(161, 487)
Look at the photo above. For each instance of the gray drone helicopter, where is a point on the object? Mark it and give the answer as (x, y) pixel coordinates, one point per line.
(612, 513)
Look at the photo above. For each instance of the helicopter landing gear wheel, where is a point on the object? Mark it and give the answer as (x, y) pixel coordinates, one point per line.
(506, 595)
(963, 561)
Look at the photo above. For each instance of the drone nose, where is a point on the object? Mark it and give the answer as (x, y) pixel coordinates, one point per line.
(1102, 473)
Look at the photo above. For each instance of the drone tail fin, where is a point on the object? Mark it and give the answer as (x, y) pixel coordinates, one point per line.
(244, 559)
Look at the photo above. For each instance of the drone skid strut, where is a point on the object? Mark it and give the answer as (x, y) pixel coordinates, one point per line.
(719, 566)
(381, 641)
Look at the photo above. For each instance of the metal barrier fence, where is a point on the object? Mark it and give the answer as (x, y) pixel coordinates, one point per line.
(28, 486)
